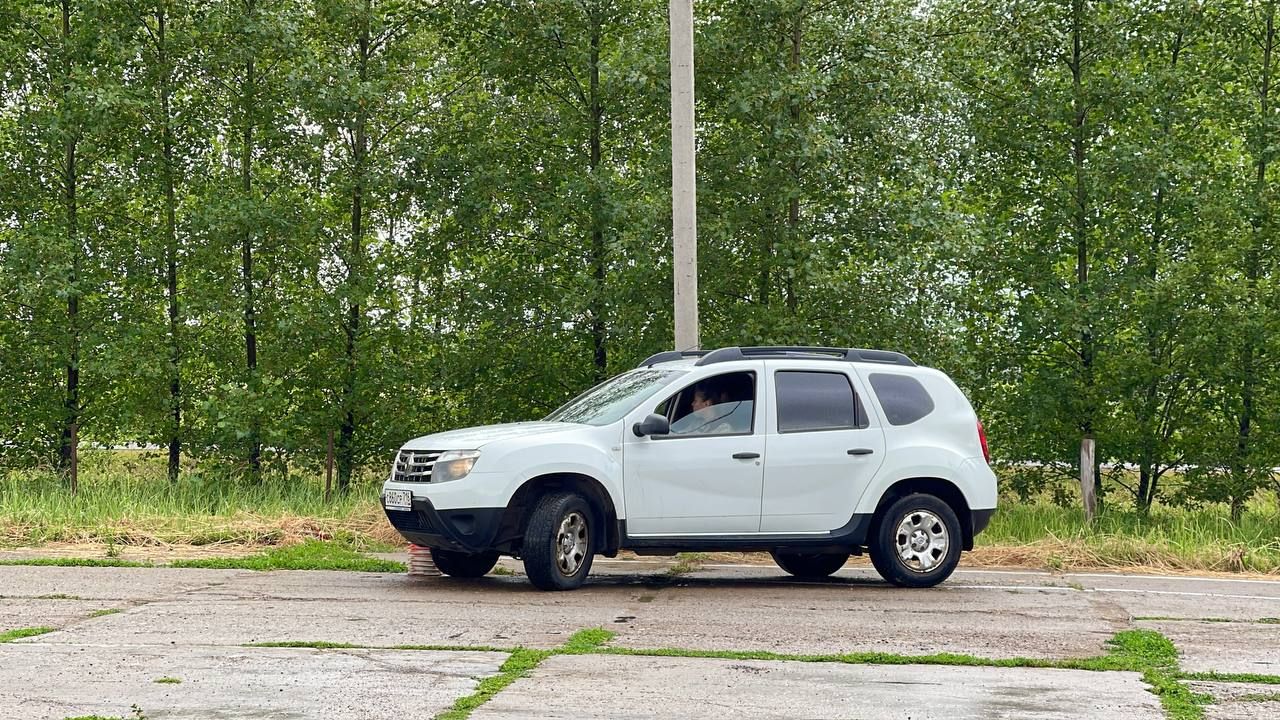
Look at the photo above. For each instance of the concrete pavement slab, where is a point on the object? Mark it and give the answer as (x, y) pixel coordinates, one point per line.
(41, 681)
(97, 583)
(1239, 701)
(27, 613)
(863, 616)
(1223, 647)
(438, 620)
(638, 687)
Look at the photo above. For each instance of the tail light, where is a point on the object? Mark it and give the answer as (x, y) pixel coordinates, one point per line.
(982, 437)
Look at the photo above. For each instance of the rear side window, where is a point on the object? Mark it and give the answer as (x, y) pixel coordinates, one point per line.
(810, 401)
(903, 398)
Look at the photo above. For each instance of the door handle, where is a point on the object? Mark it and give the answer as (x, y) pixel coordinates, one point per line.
(861, 451)
(745, 456)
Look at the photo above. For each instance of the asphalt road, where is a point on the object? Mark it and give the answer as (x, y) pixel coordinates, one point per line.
(194, 629)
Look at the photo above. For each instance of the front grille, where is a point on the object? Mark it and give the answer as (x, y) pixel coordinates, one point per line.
(415, 465)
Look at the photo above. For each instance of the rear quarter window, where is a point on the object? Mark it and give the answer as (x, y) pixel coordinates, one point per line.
(903, 398)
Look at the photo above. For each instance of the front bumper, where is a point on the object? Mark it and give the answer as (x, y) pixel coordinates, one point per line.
(468, 530)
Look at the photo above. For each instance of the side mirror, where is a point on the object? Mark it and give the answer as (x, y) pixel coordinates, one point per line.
(654, 424)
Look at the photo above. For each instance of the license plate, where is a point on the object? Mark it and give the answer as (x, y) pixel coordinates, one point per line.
(397, 499)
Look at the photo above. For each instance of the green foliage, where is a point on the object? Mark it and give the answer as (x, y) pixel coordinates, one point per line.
(424, 215)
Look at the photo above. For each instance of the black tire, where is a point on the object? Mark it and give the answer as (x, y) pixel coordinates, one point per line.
(543, 540)
(462, 565)
(916, 509)
(810, 565)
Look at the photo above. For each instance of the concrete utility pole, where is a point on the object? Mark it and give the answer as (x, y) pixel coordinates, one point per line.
(684, 202)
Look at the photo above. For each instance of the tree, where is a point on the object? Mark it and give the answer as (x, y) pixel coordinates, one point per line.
(1042, 97)
(372, 78)
(63, 97)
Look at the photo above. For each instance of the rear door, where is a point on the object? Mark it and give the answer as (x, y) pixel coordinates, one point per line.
(822, 448)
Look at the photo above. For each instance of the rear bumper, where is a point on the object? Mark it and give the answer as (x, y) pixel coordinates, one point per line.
(468, 530)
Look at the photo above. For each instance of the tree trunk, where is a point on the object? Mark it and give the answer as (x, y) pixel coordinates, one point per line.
(171, 251)
(1088, 483)
(355, 279)
(793, 205)
(1080, 233)
(1240, 466)
(598, 250)
(71, 399)
(246, 263)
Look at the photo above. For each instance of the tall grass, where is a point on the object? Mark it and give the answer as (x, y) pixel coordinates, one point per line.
(1173, 538)
(125, 498)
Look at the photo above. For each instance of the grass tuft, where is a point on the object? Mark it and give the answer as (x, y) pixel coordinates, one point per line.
(585, 641)
(520, 664)
(308, 555)
(1232, 677)
(11, 635)
(167, 680)
(105, 612)
(77, 562)
(687, 562)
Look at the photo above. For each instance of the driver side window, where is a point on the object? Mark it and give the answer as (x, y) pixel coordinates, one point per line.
(716, 405)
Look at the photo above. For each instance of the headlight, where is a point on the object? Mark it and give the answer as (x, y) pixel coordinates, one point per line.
(453, 465)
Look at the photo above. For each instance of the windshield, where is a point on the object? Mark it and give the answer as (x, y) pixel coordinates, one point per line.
(615, 397)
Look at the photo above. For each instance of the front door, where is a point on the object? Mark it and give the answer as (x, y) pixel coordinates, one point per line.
(706, 477)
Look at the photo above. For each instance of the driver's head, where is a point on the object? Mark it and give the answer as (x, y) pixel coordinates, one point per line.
(707, 394)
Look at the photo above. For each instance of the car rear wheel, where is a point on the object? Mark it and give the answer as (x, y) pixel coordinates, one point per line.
(558, 542)
(916, 541)
(463, 565)
(810, 565)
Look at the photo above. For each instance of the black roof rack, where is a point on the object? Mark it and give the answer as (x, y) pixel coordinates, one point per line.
(670, 355)
(729, 354)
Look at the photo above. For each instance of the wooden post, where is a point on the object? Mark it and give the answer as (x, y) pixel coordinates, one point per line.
(75, 458)
(1087, 479)
(328, 469)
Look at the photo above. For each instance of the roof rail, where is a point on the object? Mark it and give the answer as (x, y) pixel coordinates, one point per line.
(670, 355)
(729, 354)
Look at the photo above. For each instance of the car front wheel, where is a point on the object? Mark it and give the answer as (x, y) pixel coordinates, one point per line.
(916, 541)
(558, 546)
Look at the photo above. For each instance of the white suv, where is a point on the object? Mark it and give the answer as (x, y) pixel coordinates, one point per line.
(811, 454)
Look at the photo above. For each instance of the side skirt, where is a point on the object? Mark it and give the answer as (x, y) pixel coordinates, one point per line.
(851, 538)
